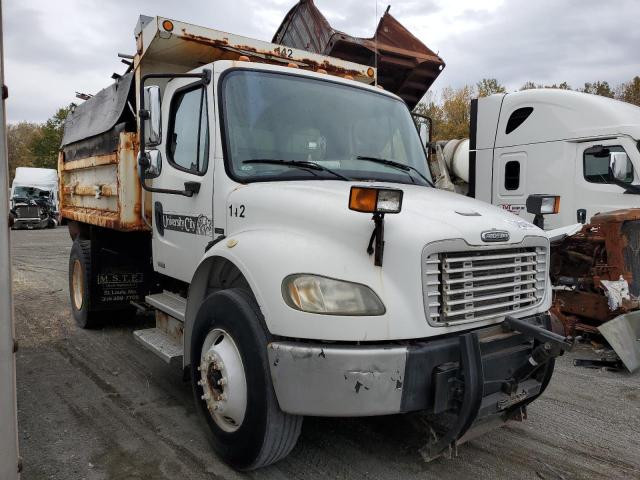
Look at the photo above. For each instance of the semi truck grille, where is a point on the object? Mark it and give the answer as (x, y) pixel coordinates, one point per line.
(470, 286)
(27, 211)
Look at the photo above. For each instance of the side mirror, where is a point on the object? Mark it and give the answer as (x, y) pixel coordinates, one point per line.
(541, 205)
(423, 124)
(149, 164)
(424, 133)
(620, 166)
(155, 164)
(153, 122)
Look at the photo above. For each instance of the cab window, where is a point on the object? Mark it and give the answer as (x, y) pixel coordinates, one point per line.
(596, 164)
(188, 147)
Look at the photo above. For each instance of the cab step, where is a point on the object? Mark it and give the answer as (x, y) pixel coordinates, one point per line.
(170, 303)
(159, 342)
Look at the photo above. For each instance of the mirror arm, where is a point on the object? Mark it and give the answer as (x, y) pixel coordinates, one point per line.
(628, 187)
(143, 114)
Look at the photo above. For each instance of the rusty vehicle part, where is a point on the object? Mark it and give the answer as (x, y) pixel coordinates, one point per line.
(405, 65)
(102, 189)
(607, 249)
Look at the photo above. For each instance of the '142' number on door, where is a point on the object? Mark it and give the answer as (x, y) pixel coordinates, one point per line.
(236, 211)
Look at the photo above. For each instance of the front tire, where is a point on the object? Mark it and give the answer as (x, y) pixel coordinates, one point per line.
(232, 383)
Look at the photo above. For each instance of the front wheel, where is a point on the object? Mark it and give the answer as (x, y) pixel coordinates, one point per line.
(232, 383)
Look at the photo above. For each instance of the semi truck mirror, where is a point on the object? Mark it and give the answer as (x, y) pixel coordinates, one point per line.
(153, 123)
(423, 124)
(424, 133)
(540, 205)
(619, 164)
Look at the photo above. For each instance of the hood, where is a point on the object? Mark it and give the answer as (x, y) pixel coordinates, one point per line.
(321, 208)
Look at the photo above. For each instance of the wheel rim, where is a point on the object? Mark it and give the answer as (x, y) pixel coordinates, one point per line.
(223, 380)
(77, 285)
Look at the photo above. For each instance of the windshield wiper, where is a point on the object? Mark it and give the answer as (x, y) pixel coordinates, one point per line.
(299, 164)
(398, 165)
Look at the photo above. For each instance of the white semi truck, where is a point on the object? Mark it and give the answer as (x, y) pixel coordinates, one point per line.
(34, 198)
(582, 148)
(275, 209)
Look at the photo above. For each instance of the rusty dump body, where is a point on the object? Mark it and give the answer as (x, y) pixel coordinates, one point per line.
(405, 65)
(606, 249)
(97, 164)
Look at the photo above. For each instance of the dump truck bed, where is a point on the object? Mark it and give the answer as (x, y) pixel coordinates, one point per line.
(406, 66)
(99, 182)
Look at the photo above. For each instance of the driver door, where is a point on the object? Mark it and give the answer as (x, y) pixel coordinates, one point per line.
(182, 226)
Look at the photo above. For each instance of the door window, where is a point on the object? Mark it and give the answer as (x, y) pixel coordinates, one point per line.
(188, 147)
(596, 164)
(512, 175)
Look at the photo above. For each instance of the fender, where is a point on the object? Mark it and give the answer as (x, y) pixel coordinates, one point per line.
(265, 257)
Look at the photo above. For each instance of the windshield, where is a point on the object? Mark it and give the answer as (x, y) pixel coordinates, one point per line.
(288, 118)
(30, 193)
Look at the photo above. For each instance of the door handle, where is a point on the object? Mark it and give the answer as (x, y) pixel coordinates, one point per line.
(158, 217)
(191, 187)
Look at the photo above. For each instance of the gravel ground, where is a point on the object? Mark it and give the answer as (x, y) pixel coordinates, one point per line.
(95, 405)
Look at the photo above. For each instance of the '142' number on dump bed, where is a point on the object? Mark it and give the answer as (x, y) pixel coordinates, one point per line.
(283, 52)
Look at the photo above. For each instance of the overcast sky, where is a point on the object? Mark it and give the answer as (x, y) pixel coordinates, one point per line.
(54, 48)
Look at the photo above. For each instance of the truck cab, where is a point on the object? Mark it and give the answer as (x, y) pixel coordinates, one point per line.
(274, 209)
(556, 142)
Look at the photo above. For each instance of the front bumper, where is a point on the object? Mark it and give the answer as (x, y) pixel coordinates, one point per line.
(436, 376)
(20, 223)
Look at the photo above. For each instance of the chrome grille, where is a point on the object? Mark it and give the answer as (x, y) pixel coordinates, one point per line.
(471, 286)
(27, 211)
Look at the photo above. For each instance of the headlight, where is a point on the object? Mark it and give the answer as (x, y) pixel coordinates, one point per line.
(316, 294)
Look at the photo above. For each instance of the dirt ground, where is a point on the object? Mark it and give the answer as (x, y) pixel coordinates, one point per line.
(96, 405)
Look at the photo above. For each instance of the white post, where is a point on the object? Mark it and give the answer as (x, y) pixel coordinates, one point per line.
(8, 409)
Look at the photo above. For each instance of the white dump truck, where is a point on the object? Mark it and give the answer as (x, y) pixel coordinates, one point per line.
(274, 208)
(582, 149)
(34, 198)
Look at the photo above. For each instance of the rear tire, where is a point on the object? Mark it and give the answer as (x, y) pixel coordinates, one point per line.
(79, 285)
(230, 326)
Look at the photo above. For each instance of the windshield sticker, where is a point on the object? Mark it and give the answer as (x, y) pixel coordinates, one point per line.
(200, 225)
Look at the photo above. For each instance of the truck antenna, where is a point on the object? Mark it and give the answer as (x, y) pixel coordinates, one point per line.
(375, 42)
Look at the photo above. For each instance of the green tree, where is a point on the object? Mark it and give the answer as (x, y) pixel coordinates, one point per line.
(598, 88)
(489, 86)
(630, 91)
(46, 145)
(449, 116)
(20, 136)
(529, 85)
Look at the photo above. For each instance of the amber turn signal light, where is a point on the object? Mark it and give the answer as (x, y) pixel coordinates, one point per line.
(543, 204)
(167, 25)
(375, 200)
